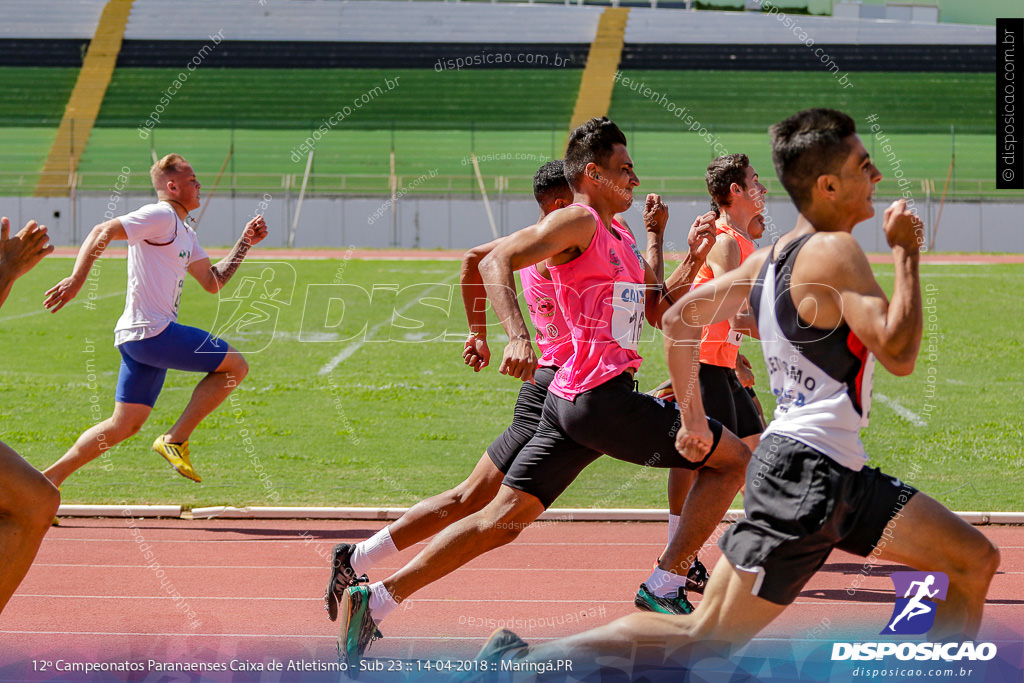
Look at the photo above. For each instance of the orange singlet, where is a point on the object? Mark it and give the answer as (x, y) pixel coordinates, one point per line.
(719, 343)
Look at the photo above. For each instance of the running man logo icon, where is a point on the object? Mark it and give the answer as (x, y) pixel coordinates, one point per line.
(248, 314)
(914, 613)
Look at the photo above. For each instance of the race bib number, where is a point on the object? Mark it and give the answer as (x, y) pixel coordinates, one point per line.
(627, 314)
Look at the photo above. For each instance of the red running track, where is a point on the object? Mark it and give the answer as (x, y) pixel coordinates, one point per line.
(253, 589)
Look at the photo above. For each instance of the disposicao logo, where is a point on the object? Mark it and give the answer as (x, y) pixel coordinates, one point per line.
(914, 614)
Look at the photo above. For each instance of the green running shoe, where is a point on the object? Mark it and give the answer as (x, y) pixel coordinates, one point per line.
(649, 602)
(358, 628)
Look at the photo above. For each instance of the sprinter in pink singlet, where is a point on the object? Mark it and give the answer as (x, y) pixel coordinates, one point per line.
(554, 341)
(605, 307)
(431, 515)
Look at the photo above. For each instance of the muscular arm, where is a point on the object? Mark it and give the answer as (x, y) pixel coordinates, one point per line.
(560, 236)
(681, 279)
(212, 278)
(656, 254)
(655, 220)
(655, 303)
(474, 294)
(891, 330)
(95, 243)
(659, 297)
(476, 353)
(716, 300)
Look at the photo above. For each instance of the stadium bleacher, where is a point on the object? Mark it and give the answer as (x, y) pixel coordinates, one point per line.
(287, 65)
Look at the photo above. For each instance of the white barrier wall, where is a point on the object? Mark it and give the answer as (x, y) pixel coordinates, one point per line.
(386, 21)
(459, 222)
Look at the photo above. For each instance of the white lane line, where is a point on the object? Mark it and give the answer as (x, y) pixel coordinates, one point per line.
(908, 415)
(301, 541)
(316, 598)
(334, 638)
(321, 567)
(347, 352)
(81, 300)
(182, 634)
(411, 601)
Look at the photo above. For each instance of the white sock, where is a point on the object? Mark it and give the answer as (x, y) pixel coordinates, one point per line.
(663, 584)
(673, 524)
(381, 602)
(371, 551)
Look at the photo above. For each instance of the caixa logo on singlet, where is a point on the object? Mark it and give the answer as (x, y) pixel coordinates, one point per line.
(916, 597)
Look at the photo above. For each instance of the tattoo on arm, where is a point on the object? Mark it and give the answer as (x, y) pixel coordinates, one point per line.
(227, 266)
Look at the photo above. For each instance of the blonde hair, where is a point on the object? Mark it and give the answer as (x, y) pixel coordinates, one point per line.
(169, 165)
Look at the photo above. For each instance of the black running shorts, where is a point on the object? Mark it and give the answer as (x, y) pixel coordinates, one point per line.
(612, 419)
(525, 420)
(799, 505)
(727, 401)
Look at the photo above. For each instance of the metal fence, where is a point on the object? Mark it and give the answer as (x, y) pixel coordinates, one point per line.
(377, 185)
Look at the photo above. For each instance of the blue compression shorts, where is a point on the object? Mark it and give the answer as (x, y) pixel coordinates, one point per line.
(144, 363)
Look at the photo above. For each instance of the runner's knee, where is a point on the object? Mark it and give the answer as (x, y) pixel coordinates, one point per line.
(124, 427)
(973, 563)
(235, 366)
(472, 496)
(47, 499)
(37, 498)
(502, 523)
(978, 561)
(731, 455)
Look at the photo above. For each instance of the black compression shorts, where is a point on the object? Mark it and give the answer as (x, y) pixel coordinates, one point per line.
(611, 418)
(726, 400)
(525, 420)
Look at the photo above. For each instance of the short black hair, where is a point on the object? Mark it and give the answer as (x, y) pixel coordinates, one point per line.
(722, 172)
(591, 142)
(807, 145)
(550, 180)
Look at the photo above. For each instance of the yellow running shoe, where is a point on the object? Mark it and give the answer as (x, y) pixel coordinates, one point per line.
(177, 455)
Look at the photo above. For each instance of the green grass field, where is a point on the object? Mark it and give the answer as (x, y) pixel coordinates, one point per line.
(752, 100)
(401, 418)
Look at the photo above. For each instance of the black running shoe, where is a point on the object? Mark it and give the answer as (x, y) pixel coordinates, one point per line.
(342, 576)
(697, 577)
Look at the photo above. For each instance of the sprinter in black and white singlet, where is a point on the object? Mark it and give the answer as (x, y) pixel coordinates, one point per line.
(823, 386)
(823, 319)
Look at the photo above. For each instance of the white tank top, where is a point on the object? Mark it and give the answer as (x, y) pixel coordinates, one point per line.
(821, 378)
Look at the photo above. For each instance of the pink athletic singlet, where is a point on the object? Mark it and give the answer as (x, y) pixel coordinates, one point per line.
(601, 294)
(553, 338)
